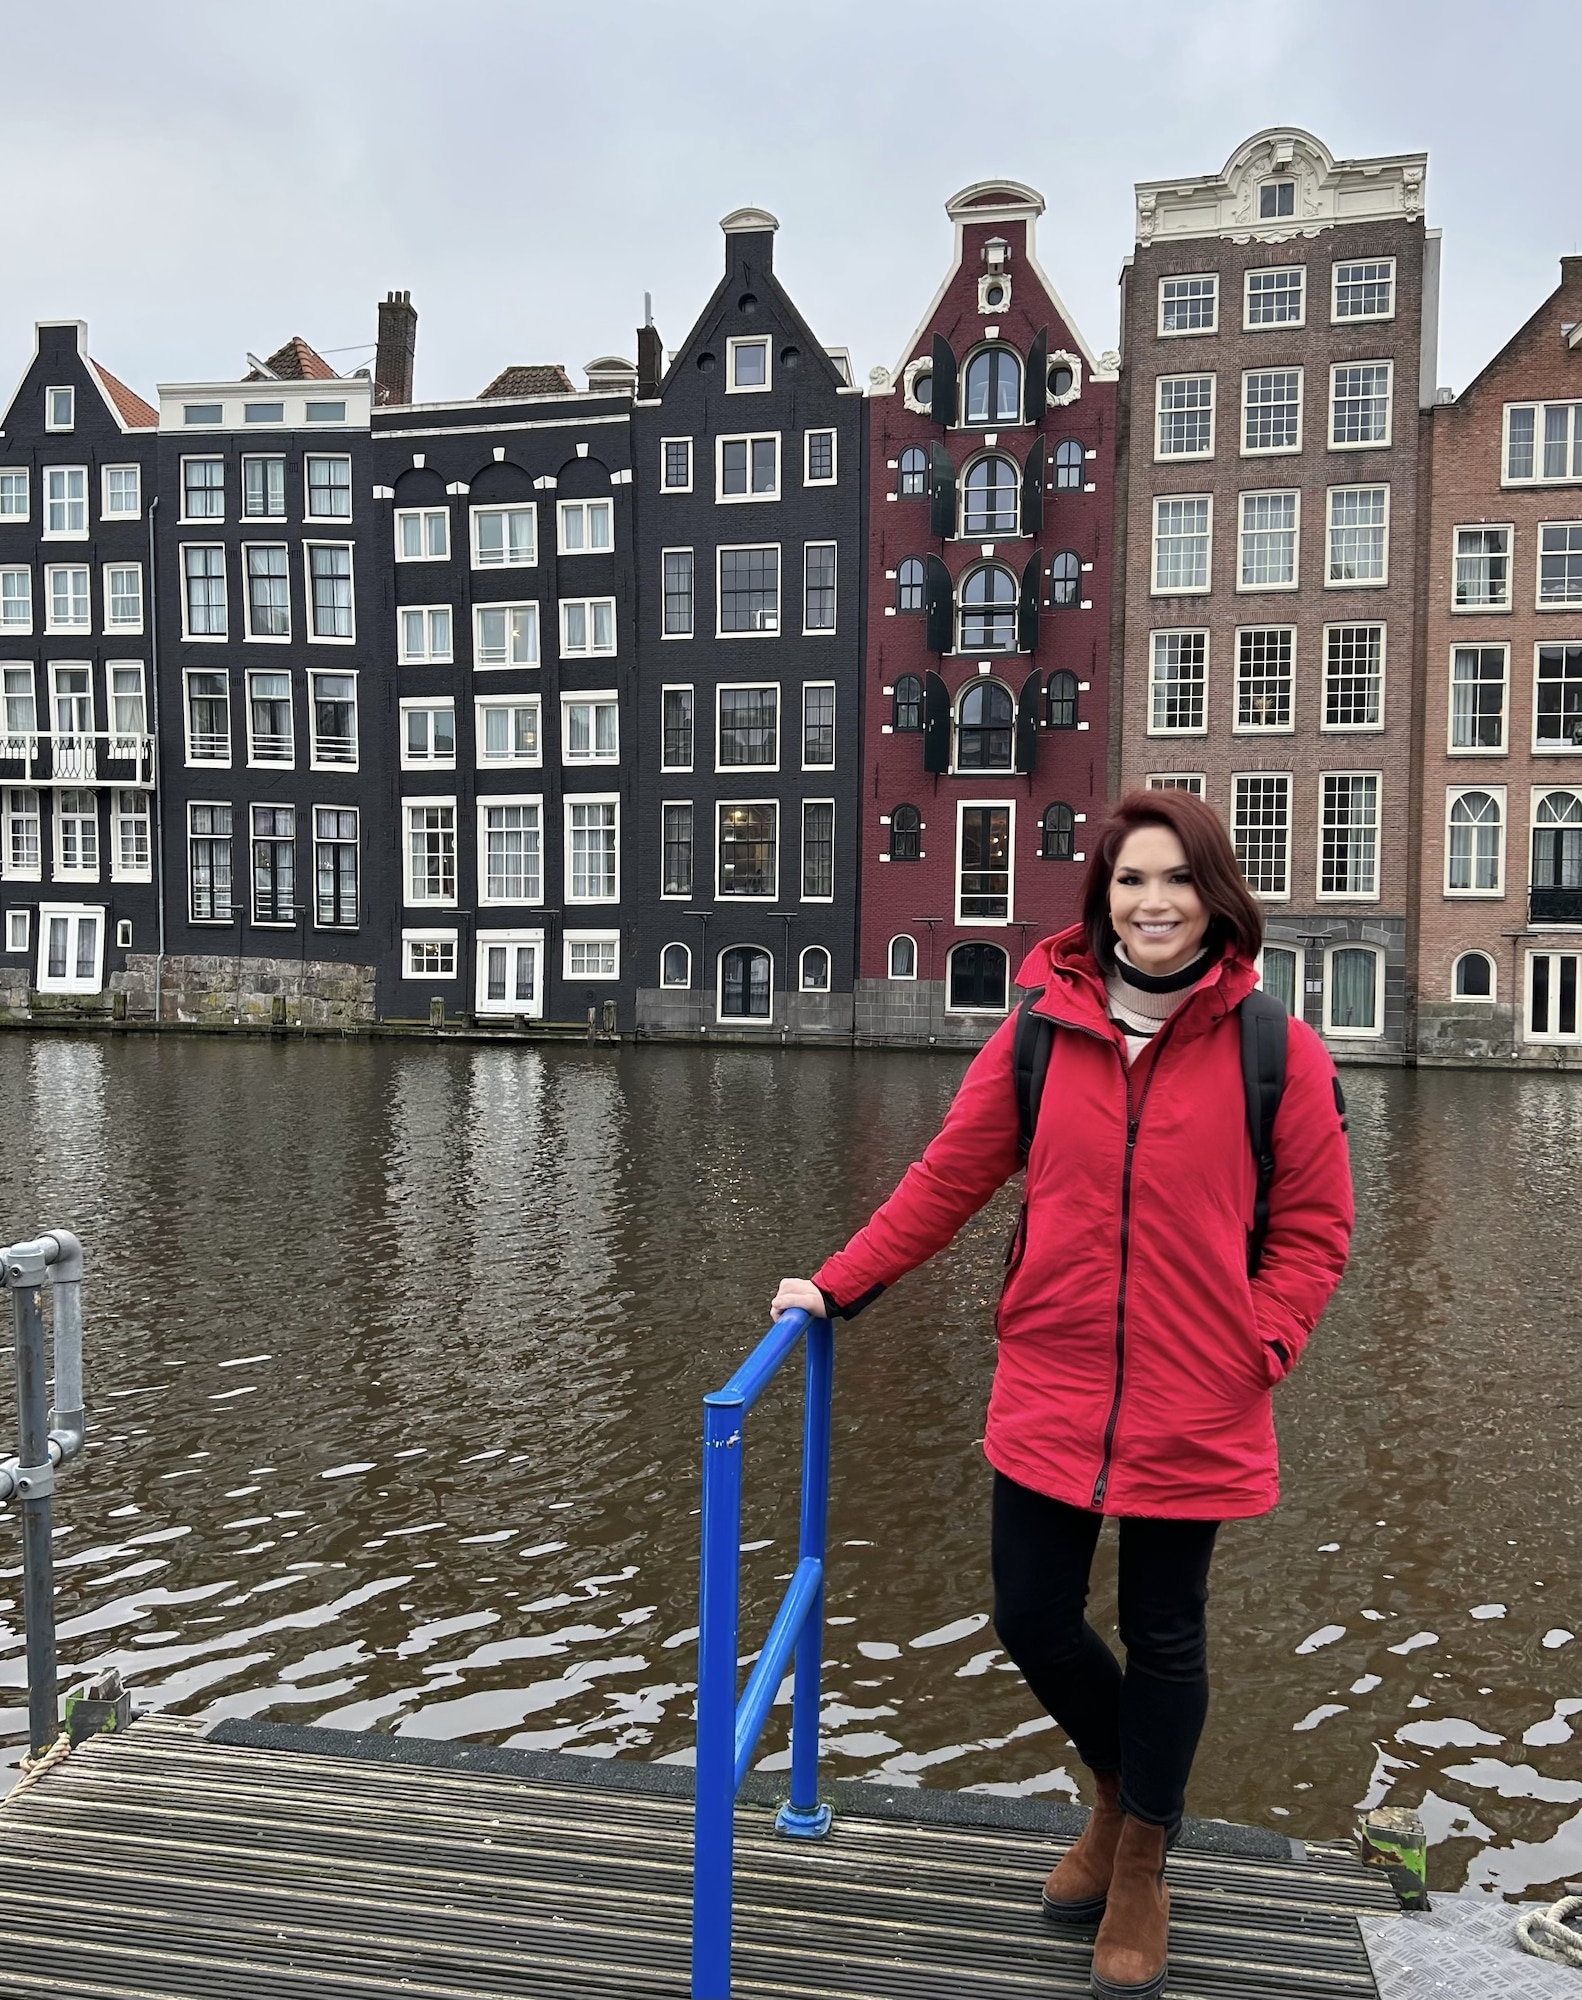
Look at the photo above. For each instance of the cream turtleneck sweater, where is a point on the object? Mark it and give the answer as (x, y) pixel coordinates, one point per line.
(1138, 1013)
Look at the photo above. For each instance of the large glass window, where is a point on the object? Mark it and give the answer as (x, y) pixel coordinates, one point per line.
(123, 597)
(818, 850)
(1543, 441)
(16, 602)
(208, 718)
(818, 725)
(268, 592)
(131, 833)
(269, 733)
(1181, 543)
(992, 387)
(1365, 290)
(69, 609)
(1359, 403)
(990, 497)
(506, 635)
(21, 711)
(1280, 968)
(333, 699)
(745, 984)
(984, 863)
(749, 728)
(1552, 995)
(1268, 541)
(274, 864)
(1558, 720)
(1271, 401)
(678, 593)
(1264, 676)
(1178, 683)
(424, 634)
(431, 851)
(1477, 698)
(65, 502)
(1354, 677)
(503, 537)
(677, 858)
(1557, 845)
(979, 976)
(1359, 531)
(985, 727)
(264, 488)
(1560, 563)
(1348, 834)
(507, 731)
(22, 831)
(676, 754)
(1352, 994)
(1277, 297)
(749, 594)
(330, 576)
(203, 489)
(204, 570)
(1185, 416)
(1261, 831)
(818, 587)
(591, 827)
(76, 833)
(511, 861)
(1189, 305)
(329, 489)
(749, 468)
(748, 840)
(423, 535)
(1475, 842)
(335, 866)
(988, 611)
(209, 864)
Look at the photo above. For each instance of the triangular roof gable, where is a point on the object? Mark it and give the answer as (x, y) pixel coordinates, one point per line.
(135, 415)
(1522, 333)
(764, 275)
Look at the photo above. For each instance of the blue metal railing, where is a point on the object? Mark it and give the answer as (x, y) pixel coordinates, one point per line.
(728, 1729)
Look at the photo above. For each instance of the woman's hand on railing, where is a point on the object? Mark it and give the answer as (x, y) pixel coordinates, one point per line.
(796, 1292)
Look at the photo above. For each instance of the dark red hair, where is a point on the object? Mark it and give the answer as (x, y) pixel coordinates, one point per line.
(1235, 920)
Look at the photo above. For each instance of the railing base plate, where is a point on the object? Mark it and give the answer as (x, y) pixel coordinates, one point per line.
(804, 1822)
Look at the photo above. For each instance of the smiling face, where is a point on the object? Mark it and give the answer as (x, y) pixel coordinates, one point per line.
(1158, 915)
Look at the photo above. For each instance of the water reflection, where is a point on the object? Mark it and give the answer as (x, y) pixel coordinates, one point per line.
(395, 1360)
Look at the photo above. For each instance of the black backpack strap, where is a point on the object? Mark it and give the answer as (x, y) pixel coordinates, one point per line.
(1030, 1050)
(1264, 1025)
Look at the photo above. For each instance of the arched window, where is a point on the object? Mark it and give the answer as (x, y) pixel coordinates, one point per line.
(1557, 842)
(1060, 833)
(978, 979)
(908, 704)
(913, 481)
(1068, 466)
(815, 970)
(1474, 977)
(903, 958)
(1065, 581)
(1473, 855)
(985, 725)
(1278, 968)
(990, 495)
(906, 834)
(675, 966)
(1351, 992)
(1063, 700)
(746, 977)
(993, 388)
(988, 611)
(909, 585)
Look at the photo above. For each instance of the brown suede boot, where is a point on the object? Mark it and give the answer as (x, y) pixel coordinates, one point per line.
(1075, 1891)
(1131, 1951)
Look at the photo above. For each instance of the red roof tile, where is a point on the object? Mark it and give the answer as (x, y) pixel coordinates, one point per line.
(295, 362)
(133, 410)
(547, 378)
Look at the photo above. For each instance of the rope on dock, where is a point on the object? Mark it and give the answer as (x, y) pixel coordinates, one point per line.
(1548, 1934)
(35, 1768)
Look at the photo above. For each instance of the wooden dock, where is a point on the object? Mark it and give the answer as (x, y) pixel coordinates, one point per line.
(256, 1862)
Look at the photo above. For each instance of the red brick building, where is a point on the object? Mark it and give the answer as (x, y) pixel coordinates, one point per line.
(987, 672)
(1500, 932)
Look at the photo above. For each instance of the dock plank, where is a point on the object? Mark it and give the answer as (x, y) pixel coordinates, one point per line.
(162, 1865)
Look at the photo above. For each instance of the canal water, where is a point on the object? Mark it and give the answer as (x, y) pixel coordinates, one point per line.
(395, 1360)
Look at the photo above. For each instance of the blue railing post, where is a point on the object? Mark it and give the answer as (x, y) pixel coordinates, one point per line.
(718, 1613)
(804, 1818)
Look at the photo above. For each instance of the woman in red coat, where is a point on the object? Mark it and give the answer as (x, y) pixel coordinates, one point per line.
(1136, 1354)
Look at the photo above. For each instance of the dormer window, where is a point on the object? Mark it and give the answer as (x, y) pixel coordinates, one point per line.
(1276, 199)
(749, 364)
(993, 387)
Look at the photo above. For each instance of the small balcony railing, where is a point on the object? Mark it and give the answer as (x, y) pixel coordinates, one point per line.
(269, 748)
(335, 749)
(1554, 906)
(77, 757)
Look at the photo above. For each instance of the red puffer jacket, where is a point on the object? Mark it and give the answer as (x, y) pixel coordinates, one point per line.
(1136, 1356)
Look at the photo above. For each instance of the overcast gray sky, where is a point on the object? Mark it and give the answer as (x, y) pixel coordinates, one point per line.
(199, 179)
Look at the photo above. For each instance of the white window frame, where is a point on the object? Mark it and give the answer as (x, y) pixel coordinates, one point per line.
(536, 649)
(262, 458)
(889, 956)
(22, 628)
(764, 1021)
(1327, 727)
(565, 507)
(18, 929)
(590, 651)
(1573, 605)
(314, 637)
(1385, 362)
(1268, 493)
(409, 803)
(1176, 781)
(1155, 587)
(808, 435)
(319, 840)
(1336, 316)
(259, 638)
(664, 556)
(1502, 748)
(1546, 1037)
(730, 896)
(1163, 457)
(664, 445)
(532, 1009)
(982, 923)
(724, 549)
(749, 498)
(610, 938)
(1538, 405)
(834, 727)
(720, 689)
(125, 626)
(62, 873)
(1251, 325)
(46, 532)
(1276, 450)
(675, 985)
(315, 762)
(732, 347)
(527, 507)
(109, 513)
(1497, 793)
(111, 669)
(1351, 895)
(801, 960)
(1186, 332)
(51, 570)
(1154, 663)
(1549, 749)
(680, 687)
(1299, 953)
(590, 697)
(254, 761)
(51, 391)
(428, 657)
(425, 705)
(802, 895)
(417, 938)
(205, 521)
(1355, 583)
(481, 707)
(1354, 1034)
(1488, 999)
(668, 806)
(424, 515)
(1256, 729)
(307, 486)
(484, 802)
(979, 1013)
(8, 817)
(820, 631)
(207, 763)
(1287, 779)
(569, 800)
(24, 476)
(74, 913)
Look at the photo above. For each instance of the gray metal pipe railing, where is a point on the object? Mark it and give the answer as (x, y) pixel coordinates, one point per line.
(46, 1440)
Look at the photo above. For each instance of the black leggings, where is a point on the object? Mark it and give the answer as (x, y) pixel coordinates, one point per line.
(1146, 1722)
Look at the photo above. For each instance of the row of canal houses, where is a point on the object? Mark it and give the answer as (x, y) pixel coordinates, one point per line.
(728, 696)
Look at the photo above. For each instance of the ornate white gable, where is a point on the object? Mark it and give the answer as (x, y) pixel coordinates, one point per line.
(1326, 191)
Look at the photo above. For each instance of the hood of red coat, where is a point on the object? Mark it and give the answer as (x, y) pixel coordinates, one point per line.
(1074, 984)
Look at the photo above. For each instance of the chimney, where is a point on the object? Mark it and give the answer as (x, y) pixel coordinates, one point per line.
(650, 362)
(1571, 271)
(397, 355)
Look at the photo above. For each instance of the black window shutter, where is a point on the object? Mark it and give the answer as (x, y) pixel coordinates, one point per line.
(1035, 384)
(942, 392)
(941, 492)
(1027, 724)
(1027, 604)
(938, 605)
(936, 724)
(1033, 490)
